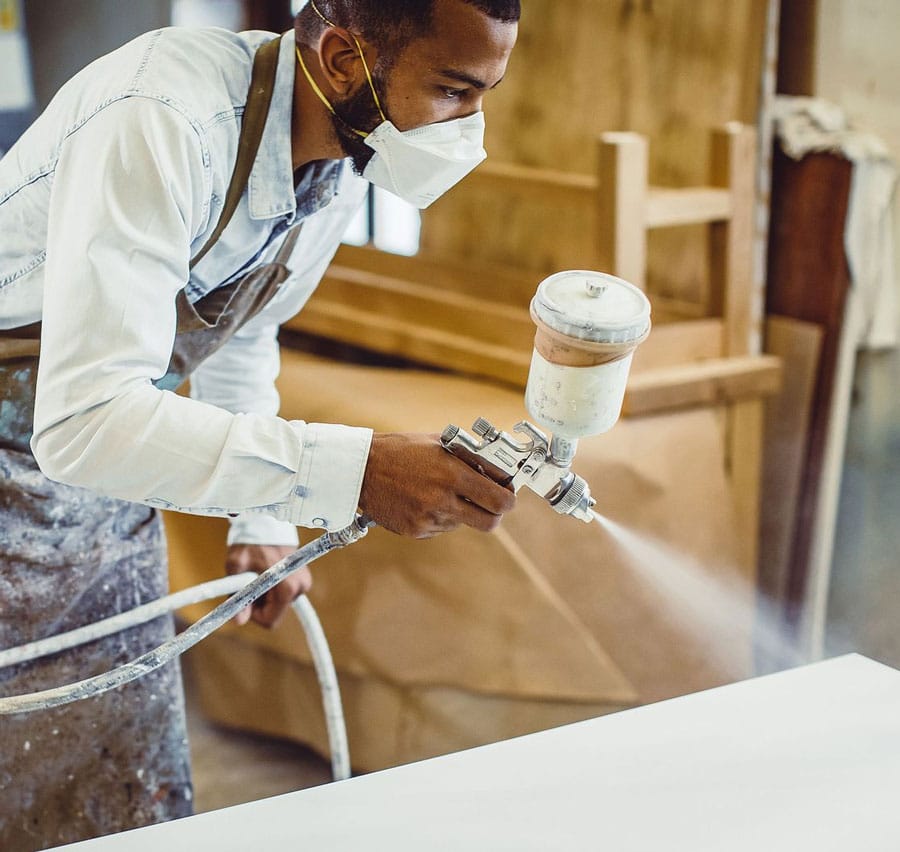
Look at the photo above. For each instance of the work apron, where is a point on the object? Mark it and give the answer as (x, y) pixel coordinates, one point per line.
(69, 557)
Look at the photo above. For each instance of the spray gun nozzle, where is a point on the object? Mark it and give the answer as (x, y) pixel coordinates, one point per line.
(574, 498)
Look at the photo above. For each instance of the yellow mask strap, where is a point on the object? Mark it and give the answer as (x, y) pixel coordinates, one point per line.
(318, 91)
(362, 56)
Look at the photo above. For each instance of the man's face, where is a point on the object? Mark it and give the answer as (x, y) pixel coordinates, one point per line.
(437, 77)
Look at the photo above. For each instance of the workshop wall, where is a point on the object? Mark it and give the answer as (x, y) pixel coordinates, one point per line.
(856, 67)
(669, 69)
(64, 37)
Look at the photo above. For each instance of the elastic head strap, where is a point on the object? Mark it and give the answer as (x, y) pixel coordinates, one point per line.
(362, 56)
(361, 133)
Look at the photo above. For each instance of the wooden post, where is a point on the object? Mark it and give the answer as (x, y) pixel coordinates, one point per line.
(744, 439)
(731, 297)
(731, 242)
(622, 206)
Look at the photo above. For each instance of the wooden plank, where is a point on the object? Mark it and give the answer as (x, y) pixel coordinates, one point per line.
(809, 280)
(425, 345)
(621, 204)
(731, 248)
(668, 310)
(420, 307)
(712, 382)
(427, 306)
(446, 308)
(503, 284)
(786, 430)
(707, 382)
(469, 286)
(666, 206)
(690, 206)
(679, 343)
(509, 177)
(669, 343)
(744, 450)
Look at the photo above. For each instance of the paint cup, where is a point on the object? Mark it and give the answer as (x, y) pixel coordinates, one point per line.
(588, 326)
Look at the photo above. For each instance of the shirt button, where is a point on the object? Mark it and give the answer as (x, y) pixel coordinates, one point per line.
(318, 522)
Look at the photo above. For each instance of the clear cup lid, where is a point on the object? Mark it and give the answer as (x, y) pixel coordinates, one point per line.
(592, 306)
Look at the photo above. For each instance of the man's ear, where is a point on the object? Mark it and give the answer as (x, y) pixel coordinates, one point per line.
(340, 59)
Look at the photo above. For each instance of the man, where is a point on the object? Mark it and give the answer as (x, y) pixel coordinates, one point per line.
(176, 201)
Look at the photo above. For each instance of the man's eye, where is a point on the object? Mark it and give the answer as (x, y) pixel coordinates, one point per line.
(450, 92)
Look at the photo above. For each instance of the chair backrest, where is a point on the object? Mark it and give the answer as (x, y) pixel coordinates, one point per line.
(472, 316)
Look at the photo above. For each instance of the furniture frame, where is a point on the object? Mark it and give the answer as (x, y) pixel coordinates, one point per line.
(473, 317)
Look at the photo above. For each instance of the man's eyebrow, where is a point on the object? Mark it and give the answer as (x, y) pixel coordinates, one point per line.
(474, 82)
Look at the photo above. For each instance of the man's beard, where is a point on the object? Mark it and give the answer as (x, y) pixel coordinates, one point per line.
(358, 111)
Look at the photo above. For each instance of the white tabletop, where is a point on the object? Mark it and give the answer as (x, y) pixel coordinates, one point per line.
(802, 760)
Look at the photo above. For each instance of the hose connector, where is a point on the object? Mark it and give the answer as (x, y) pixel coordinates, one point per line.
(353, 532)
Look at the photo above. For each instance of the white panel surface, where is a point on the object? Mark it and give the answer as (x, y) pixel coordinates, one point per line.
(801, 760)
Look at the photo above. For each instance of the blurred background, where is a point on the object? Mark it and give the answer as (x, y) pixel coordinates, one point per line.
(798, 475)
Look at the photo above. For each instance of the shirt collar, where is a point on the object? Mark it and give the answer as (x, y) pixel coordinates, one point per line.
(271, 184)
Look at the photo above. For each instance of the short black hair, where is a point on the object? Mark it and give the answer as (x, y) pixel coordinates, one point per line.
(388, 24)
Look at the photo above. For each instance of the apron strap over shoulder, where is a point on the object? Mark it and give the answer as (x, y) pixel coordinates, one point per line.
(287, 247)
(259, 97)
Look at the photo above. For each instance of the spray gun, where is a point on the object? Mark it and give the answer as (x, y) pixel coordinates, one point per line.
(588, 326)
(532, 463)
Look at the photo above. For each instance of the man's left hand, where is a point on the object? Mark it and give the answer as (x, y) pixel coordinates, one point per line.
(269, 609)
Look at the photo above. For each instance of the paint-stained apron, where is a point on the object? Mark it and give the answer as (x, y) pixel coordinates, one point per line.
(69, 557)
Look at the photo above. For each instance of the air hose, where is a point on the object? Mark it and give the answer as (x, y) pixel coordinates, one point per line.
(244, 589)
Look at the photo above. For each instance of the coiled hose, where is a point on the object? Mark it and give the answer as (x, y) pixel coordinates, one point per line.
(244, 589)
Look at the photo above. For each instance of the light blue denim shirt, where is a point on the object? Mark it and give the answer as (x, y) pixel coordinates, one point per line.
(103, 202)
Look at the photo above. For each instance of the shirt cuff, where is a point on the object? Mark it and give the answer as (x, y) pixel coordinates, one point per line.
(253, 528)
(326, 490)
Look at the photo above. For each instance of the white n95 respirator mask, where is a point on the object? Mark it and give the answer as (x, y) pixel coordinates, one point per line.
(420, 165)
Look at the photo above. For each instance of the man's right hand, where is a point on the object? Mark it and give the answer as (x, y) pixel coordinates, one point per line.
(414, 487)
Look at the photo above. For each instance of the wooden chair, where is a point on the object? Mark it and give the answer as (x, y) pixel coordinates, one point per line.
(472, 317)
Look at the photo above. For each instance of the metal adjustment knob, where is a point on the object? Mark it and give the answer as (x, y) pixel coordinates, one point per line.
(449, 434)
(483, 428)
